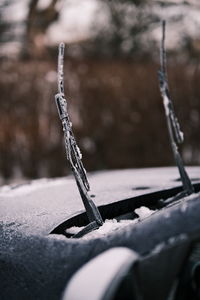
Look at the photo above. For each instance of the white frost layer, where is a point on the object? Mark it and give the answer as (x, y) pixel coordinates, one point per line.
(166, 104)
(28, 188)
(112, 225)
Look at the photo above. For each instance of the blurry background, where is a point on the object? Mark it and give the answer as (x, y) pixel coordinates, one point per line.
(111, 64)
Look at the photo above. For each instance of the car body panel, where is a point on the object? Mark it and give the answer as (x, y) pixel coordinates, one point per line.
(41, 205)
(37, 265)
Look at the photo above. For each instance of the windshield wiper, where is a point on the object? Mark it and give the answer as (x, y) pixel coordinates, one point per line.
(73, 152)
(175, 134)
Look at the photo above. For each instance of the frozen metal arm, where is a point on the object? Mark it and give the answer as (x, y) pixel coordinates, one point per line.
(175, 134)
(72, 150)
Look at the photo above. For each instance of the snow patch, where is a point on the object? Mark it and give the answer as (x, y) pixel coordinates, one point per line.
(110, 226)
(143, 212)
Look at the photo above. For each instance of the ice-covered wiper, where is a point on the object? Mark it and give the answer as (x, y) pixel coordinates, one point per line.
(73, 152)
(175, 134)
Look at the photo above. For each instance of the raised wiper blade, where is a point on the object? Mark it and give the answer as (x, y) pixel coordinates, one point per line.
(175, 134)
(73, 153)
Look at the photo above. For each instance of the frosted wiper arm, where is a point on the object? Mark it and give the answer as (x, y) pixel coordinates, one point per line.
(72, 150)
(175, 134)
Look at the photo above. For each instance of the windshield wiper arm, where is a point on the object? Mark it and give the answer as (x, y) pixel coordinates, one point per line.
(175, 134)
(73, 152)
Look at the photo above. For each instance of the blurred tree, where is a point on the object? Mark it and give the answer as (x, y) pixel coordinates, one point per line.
(29, 31)
(8, 28)
(128, 32)
(122, 35)
(3, 24)
(38, 21)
